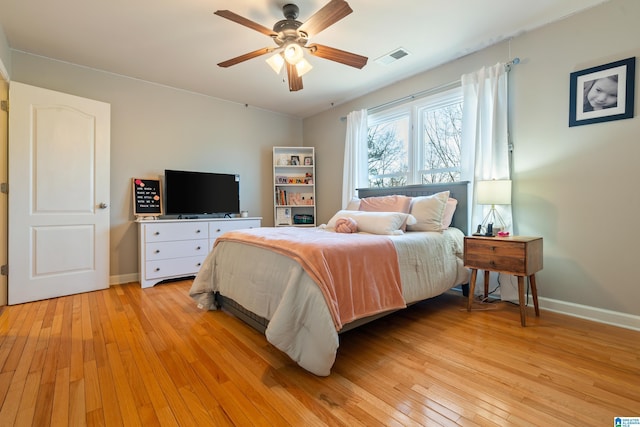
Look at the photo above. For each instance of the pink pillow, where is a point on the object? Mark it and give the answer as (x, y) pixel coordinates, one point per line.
(395, 203)
(449, 210)
(346, 225)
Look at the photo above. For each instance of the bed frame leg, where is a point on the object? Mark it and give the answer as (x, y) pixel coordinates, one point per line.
(465, 289)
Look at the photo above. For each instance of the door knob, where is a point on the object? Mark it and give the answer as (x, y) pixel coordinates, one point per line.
(103, 205)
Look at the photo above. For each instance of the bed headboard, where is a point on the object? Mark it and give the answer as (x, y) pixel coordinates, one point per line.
(458, 191)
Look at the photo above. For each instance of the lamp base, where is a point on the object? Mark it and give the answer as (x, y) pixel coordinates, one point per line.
(492, 223)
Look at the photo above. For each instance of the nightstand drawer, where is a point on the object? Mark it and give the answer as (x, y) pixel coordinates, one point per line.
(519, 256)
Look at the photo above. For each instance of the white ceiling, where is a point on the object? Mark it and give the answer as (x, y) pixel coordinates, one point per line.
(178, 43)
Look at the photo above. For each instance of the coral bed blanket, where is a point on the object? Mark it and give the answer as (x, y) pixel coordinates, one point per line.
(358, 274)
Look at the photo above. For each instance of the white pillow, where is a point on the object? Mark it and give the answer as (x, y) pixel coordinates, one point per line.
(428, 212)
(354, 204)
(375, 222)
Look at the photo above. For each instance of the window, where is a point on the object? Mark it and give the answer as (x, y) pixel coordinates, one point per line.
(416, 143)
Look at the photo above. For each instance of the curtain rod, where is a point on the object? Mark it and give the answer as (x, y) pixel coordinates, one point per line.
(428, 92)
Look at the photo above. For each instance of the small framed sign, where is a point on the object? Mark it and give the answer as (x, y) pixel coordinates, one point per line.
(147, 197)
(602, 93)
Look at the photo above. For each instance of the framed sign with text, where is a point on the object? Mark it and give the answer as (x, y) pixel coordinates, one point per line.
(147, 197)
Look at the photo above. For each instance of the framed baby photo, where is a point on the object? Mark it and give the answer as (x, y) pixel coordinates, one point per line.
(602, 93)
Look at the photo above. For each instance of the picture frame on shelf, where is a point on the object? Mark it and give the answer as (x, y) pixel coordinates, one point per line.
(308, 161)
(295, 160)
(602, 93)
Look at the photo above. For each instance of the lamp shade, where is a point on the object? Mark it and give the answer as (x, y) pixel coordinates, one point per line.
(494, 192)
(276, 62)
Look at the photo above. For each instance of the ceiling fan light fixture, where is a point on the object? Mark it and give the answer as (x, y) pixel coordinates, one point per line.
(293, 53)
(276, 62)
(303, 67)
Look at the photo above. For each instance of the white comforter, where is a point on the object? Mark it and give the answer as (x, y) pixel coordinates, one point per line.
(275, 287)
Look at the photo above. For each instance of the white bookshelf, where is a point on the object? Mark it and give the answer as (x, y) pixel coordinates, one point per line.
(294, 190)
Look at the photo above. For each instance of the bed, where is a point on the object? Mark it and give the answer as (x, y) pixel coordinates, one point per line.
(270, 277)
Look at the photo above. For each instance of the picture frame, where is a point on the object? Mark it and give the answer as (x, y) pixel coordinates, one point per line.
(308, 161)
(295, 160)
(602, 93)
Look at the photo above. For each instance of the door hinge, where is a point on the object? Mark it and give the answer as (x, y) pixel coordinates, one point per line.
(4, 105)
(4, 188)
(4, 270)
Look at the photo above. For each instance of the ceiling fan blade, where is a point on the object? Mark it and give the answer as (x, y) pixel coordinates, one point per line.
(246, 22)
(295, 81)
(246, 56)
(337, 55)
(330, 13)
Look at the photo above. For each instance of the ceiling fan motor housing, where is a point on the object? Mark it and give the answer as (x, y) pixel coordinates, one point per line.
(287, 29)
(290, 11)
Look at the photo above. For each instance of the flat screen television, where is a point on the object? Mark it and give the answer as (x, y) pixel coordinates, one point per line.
(201, 193)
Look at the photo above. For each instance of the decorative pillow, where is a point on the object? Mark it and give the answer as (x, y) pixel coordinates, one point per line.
(374, 222)
(449, 210)
(428, 212)
(354, 204)
(346, 225)
(393, 203)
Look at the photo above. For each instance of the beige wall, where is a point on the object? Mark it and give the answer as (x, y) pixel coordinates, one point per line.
(577, 187)
(155, 128)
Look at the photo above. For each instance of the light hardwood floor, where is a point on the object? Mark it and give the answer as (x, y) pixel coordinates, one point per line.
(128, 356)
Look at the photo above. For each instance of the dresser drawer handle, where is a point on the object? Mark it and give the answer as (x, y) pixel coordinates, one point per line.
(198, 248)
(199, 264)
(157, 233)
(157, 251)
(157, 269)
(218, 230)
(197, 231)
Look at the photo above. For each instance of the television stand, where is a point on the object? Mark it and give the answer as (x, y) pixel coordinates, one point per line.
(174, 248)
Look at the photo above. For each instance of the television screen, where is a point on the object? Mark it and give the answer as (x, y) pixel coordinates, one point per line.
(199, 193)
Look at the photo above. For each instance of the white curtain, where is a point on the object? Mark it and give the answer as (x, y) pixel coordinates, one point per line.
(485, 138)
(485, 143)
(355, 173)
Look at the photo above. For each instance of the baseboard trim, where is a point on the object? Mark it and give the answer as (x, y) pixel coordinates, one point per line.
(609, 317)
(124, 278)
(623, 320)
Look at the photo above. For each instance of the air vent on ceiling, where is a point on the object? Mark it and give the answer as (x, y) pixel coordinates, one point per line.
(392, 56)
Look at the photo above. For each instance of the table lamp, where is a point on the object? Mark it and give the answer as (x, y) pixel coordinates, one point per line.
(494, 192)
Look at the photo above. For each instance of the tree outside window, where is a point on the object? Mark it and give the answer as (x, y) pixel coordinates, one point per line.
(416, 143)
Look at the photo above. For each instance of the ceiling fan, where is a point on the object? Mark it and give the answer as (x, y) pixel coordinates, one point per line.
(291, 37)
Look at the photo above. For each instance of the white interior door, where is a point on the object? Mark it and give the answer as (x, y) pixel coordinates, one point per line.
(58, 194)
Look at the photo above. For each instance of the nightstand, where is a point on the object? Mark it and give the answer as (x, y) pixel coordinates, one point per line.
(517, 255)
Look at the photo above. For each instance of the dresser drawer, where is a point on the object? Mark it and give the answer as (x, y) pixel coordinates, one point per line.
(173, 267)
(216, 228)
(176, 231)
(176, 249)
